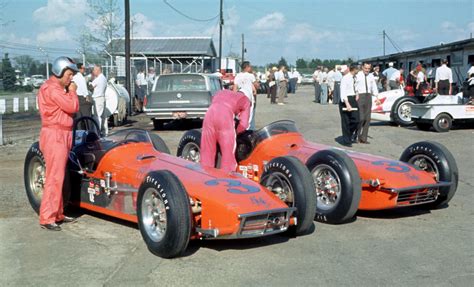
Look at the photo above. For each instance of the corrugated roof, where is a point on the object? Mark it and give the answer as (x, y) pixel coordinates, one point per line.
(170, 46)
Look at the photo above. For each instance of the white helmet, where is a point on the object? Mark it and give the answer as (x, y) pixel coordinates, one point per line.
(61, 64)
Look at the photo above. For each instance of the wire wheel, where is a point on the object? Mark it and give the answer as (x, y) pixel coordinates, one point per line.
(404, 111)
(425, 163)
(328, 187)
(191, 152)
(37, 177)
(279, 184)
(154, 215)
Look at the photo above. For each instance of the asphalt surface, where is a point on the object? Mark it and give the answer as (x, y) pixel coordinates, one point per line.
(403, 247)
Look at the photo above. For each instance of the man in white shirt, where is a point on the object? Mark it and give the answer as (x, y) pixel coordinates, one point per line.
(394, 81)
(336, 96)
(420, 80)
(245, 83)
(282, 82)
(348, 107)
(293, 75)
(470, 71)
(317, 88)
(98, 96)
(141, 89)
(388, 75)
(323, 83)
(85, 101)
(366, 87)
(444, 79)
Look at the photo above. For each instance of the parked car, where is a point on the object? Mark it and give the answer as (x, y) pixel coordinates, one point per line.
(346, 181)
(440, 112)
(131, 176)
(307, 79)
(37, 80)
(180, 96)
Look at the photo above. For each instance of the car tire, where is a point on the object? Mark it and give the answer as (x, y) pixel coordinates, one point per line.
(436, 158)
(399, 111)
(442, 123)
(423, 126)
(158, 124)
(164, 216)
(34, 175)
(159, 144)
(291, 173)
(189, 146)
(339, 169)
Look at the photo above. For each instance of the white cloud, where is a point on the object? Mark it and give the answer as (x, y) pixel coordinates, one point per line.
(143, 26)
(304, 32)
(54, 35)
(456, 32)
(57, 12)
(270, 22)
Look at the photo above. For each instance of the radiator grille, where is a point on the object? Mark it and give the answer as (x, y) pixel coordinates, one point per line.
(419, 196)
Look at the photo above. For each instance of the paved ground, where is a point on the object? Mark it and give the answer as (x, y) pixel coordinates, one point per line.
(398, 248)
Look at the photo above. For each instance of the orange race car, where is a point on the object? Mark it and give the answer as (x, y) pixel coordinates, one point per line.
(345, 181)
(130, 175)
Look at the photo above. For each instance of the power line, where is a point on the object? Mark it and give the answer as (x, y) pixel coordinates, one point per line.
(395, 45)
(189, 17)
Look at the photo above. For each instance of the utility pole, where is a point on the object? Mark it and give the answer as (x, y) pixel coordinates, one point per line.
(221, 23)
(243, 48)
(383, 34)
(127, 55)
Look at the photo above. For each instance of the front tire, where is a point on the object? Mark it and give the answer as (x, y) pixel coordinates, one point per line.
(164, 215)
(401, 111)
(435, 158)
(338, 185)
(289, 179)
(442, 123)
(189, 146)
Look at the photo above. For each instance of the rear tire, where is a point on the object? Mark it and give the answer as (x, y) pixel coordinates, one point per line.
(434, 157)
(189, 146)
(164, 215)
(442, 123)
(290, 180)
(401, 111)
(338, 185)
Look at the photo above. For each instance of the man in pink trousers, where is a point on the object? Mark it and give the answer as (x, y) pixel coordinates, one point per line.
(219, 128)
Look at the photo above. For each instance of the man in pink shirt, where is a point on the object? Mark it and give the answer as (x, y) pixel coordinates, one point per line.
(219, 128)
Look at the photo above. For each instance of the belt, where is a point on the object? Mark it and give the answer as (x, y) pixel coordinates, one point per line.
(55, 126)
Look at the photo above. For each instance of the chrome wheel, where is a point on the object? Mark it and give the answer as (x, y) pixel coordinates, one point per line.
(191, 152)
(154, 215)
(328, 186)
(404, 111)
(425, 163)
(37, 177)
(443, 123)
(279, 184)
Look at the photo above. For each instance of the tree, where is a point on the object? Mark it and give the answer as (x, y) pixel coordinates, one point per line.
(23, 63)
(8, 74)
(282, 62)
(301, 64)
(33, 68)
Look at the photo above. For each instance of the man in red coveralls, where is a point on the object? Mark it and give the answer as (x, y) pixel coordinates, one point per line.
(58, 102)
(219, 128)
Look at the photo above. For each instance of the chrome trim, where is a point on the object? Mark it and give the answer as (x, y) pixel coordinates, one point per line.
(214, 232)
(255, 213)
(415, 187)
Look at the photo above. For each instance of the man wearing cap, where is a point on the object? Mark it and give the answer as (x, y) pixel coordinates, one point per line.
(388, 73)
(444, 79)
(57, 101)
(245, 83)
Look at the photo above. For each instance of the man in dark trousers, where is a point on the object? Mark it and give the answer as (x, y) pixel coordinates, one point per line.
(348, 106)
(366, 87)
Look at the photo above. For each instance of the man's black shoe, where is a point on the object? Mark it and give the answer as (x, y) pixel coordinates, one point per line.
(51, 226)
(68, 219)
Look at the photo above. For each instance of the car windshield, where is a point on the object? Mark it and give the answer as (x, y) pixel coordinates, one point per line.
(171, 83)
(273, 129)
(136, 135)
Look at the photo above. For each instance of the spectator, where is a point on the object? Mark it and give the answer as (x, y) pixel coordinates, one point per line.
(317, 87)
(378, 78)
(99, 85)
(293, 80)
(330, 85)
(366, 87)
(272, 85)
(245, 82)
(323, 83)
(444, 79)
(85, 100)
(420, 80)
(282, 83)
(337, 86)
(140, 90)
(387, 73)
(348, 107)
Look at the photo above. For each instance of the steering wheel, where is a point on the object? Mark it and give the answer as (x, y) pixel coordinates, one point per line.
(88, 122)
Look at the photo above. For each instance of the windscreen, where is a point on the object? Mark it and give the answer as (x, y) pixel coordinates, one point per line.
(172, 83)
(275, 128)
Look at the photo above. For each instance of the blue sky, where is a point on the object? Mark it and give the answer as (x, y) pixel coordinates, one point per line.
(272, 28)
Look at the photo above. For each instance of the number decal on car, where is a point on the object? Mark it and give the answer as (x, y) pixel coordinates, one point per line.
(392, 166)
(233, 186)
